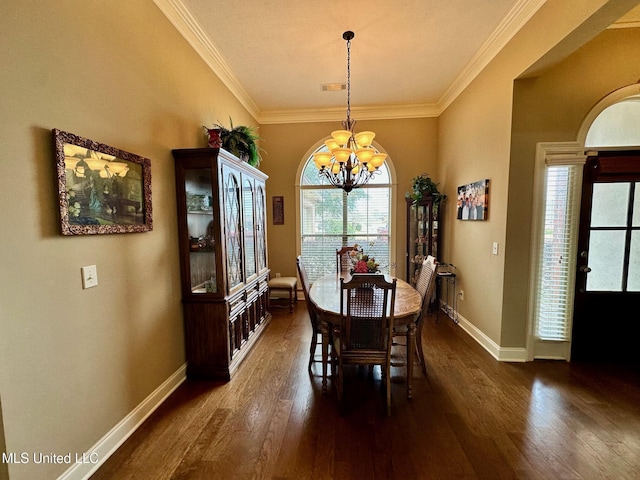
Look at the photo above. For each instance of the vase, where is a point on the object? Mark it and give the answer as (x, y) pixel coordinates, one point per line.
(214, 137)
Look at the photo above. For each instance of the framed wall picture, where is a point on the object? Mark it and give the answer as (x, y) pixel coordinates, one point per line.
(278, 210)
(473, 201)
(101, 189)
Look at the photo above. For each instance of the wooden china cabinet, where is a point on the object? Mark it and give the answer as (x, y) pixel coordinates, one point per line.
(424, 229)
(223, 258)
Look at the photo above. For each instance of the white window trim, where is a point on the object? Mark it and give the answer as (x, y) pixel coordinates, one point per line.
(548, 154)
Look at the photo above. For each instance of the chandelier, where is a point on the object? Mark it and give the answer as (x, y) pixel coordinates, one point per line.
(351, 160)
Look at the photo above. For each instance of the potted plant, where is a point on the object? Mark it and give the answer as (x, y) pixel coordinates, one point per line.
(423, 185)
(240, 140)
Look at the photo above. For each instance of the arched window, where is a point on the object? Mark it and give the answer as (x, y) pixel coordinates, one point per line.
(330, 219)
(616, 125)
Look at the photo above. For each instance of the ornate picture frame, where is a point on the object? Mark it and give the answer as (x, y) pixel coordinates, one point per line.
(101, 189)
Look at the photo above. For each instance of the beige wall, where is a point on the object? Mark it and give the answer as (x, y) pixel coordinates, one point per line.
(74, 362)
(411, 145)
(4, 467)
(551, 108)
(475, 138)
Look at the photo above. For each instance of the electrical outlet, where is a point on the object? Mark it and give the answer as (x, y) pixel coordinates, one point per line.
(461, 294)
(278, 275)
(89, 276)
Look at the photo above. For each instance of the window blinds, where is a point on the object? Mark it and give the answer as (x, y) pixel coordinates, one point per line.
(557, 255)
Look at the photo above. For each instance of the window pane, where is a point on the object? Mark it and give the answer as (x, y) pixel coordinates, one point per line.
(310, 176)
(617, 125)
(380, 178)
(633, 281)
(368, 211)
(606, 259)
(557, 265)
(322, 211)
(319, 254)
(610, 205)
(636, 207)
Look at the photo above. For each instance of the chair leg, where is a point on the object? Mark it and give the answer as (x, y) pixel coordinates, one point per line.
(312, 349)
(418, 339)
(290, 301)
(387, 375)
(339, 384)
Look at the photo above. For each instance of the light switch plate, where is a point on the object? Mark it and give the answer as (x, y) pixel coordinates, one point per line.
(495, 248)
(89, 276)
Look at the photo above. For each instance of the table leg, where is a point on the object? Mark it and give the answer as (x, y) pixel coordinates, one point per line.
(324, 328)
(411, 336)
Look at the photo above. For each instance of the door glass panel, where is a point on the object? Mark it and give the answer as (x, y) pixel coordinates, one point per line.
(610, 205)
(633, 280)
(636, 207)
(606, 259)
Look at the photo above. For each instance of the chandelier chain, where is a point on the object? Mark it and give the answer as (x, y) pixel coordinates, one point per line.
(349, 160)
(349, 81)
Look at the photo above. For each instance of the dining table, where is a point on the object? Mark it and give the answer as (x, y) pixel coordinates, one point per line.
(324, 294)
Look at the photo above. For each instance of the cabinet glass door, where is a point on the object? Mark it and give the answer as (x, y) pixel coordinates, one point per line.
(249, 232)
(232, 233)
(435, 232)
(261, 241)
(419, 240)
(200, 228)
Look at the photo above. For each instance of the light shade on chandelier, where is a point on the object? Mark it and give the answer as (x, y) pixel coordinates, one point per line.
(351, 160)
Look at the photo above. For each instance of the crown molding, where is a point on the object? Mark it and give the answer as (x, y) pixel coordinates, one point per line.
(517, 17)
(630, 24)
(189, 28)
(385, 112)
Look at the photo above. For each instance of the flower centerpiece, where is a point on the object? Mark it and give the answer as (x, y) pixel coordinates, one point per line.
(362, 262)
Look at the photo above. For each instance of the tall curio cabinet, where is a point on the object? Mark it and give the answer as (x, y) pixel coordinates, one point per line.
(424, 229)
(223, 258)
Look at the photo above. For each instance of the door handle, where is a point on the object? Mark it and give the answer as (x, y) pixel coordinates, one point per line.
(584, 269)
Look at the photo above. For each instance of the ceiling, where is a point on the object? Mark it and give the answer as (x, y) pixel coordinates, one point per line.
(409, 58)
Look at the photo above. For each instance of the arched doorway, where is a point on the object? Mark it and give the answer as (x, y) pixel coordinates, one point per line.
(607, 282)
(559, 316)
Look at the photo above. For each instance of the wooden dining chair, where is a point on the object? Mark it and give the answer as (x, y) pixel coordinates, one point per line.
(343, 264)
(425, 285)
(364, 336)
(313, 315)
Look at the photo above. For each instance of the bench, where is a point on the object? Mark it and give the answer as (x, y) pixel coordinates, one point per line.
(288, 285)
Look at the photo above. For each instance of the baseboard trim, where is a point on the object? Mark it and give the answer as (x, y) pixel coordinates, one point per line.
(502, 354)
(107, 445)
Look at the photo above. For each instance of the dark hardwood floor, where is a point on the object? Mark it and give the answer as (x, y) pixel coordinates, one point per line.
(471, 418)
